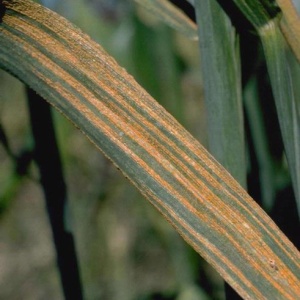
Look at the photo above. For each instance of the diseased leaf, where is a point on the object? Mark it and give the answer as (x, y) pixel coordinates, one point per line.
(170, 168)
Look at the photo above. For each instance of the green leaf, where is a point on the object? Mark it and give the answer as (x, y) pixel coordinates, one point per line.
(171, 15)
(269, 22)
(258, 12)
(169, 167)
(286, 93)
(260, 141)
(220, 65)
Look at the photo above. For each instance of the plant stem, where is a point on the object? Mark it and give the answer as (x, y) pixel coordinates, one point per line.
(52, 180)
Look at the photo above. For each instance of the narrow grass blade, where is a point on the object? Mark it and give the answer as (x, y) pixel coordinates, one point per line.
(171, 15)
(220, 65)
(168, 72)
(267, 20)
(156, 67)
(260, 140)
(284, 87)
(260, 12)
(170, 168)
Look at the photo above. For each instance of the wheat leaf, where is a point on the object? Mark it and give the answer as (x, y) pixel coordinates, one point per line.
(170, 168)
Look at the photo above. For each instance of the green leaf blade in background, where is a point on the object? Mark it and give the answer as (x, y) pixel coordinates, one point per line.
(258, 12)
(285, 90)
(171, 15)
(220, 65)
(169, 167)
(267, 173)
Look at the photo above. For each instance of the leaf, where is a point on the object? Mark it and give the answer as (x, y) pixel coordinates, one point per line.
(260, 12)
(171, 15)
(286, 93)
(220, 65)
(258, 132)
(170, 168)
(267, 21)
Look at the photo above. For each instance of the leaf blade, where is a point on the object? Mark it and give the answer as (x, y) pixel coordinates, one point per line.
(171, 15)
(177, 175)
(220, 65)
(285, 93)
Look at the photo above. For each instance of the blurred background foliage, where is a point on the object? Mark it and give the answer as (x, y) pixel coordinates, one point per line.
(126, 249)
